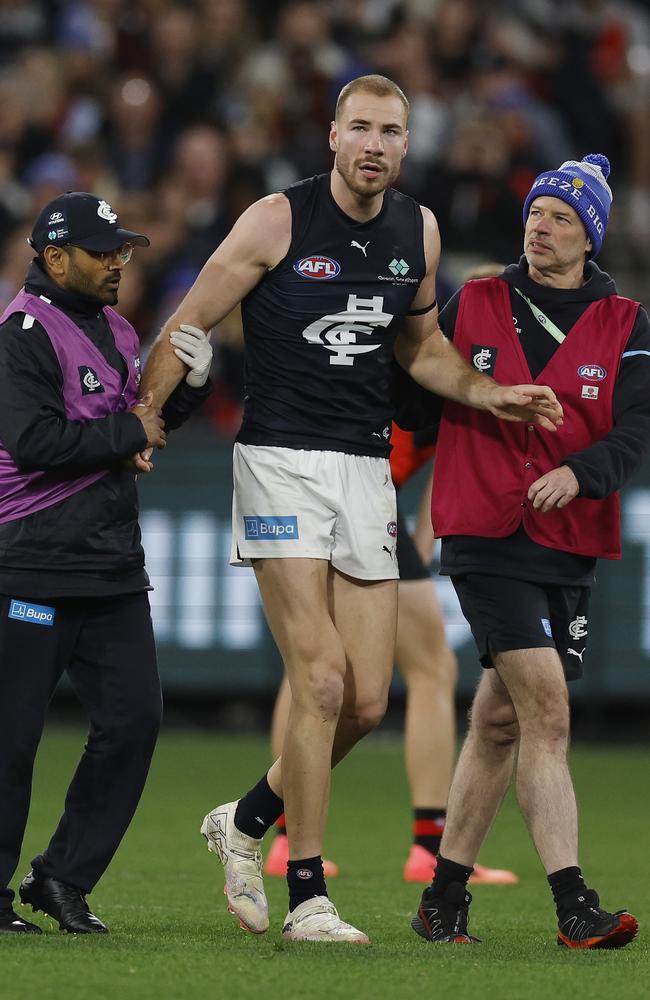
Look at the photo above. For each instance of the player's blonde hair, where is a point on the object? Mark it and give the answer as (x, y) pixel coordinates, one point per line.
(375, 84)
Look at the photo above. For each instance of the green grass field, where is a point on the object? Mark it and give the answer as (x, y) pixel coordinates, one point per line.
(172, 937)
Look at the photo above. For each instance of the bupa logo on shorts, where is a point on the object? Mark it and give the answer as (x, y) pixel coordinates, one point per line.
(35, 614)
(90, 384)
(593, 373)
(484, 358)
(317, 267)
(270, 529)
(546, 625)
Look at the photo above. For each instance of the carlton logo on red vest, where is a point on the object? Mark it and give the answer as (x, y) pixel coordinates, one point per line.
(484, 358)
(593, 373)
(317, 267)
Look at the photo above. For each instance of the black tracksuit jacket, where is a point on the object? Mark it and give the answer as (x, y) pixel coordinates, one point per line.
(89, 544)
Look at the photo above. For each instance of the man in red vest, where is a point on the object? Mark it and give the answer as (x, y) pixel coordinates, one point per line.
(524, 515)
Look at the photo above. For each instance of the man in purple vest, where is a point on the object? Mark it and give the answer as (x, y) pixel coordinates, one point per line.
(73, 587)
(523, 517)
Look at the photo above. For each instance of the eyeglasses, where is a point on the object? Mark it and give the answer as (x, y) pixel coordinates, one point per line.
(121, 254)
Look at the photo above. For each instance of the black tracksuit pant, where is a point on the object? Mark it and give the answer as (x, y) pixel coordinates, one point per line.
(106, 647)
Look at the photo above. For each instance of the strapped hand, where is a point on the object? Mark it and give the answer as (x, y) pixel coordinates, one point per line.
(192, 345)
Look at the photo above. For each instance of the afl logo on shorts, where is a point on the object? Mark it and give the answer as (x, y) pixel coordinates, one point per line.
(317, 267)
(391, 528)
(593, 373)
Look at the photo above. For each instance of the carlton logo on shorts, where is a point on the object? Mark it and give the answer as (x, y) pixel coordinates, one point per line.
(34, 614)
(317, 267)
(270, 529)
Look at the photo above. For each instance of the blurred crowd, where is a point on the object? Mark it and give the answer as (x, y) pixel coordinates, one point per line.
(182, 112)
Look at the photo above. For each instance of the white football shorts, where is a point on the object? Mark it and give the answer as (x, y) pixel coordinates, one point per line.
(296, 504)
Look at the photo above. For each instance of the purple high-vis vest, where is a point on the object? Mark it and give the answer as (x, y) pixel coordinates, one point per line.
(24, 493)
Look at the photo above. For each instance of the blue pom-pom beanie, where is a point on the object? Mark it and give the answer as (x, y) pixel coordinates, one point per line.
(583, 185)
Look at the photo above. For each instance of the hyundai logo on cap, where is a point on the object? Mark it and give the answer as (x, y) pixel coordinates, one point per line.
(84, 220)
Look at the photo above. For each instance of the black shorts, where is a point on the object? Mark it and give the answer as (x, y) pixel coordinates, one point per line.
(409, 561)
(506, 614)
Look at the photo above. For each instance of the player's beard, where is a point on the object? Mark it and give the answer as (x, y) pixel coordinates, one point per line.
(366, 188)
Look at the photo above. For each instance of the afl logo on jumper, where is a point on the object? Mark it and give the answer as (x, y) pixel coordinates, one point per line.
(593, 373)
(484, 359)
(317, 267)
(90, 384)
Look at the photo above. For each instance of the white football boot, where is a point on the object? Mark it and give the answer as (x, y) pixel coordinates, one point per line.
(317, 920)
(242, 864)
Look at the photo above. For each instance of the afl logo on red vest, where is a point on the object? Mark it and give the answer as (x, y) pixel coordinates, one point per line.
(593, 373)
(317, 267)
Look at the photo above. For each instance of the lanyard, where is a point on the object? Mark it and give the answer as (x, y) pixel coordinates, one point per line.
(541, 318)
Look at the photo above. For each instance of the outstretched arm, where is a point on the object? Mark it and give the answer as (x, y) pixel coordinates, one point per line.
(257, 242)
(425, 353)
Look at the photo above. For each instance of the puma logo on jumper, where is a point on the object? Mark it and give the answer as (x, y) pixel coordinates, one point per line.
(359, 247)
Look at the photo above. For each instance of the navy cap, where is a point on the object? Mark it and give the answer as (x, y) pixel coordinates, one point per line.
(84, 220)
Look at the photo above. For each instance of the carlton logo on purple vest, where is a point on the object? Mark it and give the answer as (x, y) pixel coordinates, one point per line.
(90, 384)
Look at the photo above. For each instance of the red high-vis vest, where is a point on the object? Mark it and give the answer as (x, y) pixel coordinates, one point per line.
(484, 466)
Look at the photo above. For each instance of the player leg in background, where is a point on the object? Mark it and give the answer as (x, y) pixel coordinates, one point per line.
(429, 668)
(335, 635)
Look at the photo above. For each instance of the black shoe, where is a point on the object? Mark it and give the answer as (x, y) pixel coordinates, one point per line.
(63, 902)
(442, 918)
(585, 925)
(11, 923)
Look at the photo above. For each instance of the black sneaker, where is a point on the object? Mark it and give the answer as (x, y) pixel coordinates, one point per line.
(585, 925)
(442, 918)
(11, 923)
(61, 901)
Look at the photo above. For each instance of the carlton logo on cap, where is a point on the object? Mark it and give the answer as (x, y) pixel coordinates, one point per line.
(83, 220)
(104, 211)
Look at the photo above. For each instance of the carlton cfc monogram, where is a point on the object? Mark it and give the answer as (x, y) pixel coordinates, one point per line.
(90, 384)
